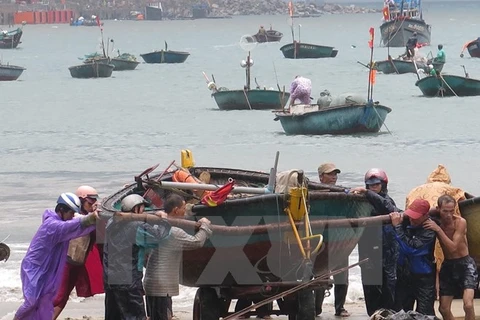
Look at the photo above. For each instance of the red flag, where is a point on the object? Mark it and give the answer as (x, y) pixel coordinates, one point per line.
(218, 196)
(372, 35)
(290, 8)
(98, 21)
(373, 73)
(386, 13)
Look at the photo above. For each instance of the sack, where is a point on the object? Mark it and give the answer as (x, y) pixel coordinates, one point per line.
(77, 250)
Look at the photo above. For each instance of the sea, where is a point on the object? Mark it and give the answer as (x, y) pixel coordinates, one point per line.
(58, 133)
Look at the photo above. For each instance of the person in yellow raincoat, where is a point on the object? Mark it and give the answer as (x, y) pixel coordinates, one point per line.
(438, 184)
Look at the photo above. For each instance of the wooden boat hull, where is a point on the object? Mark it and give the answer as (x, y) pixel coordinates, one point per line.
(258, 99)
(395, 33)
(307, 51)
(403, 66)
(271, 253)
(163, 56)
(123, 65)
(356, 118)
(10, 73)
(474, 48)
(270, 36)
(433, 86)
(470, 211)
(92, 70)
(11, 39)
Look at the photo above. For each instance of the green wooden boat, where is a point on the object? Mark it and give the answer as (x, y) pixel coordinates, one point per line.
(266, 247)
(447, 85)
(92, 70)
(300, 50)
(339, 119)
(400, 66)
(124, 62)
(247, 98)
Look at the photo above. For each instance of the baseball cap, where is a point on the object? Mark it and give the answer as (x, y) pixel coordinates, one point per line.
(418, 209)
(327, 168)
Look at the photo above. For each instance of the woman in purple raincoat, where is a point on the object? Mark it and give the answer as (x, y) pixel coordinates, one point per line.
(42, 267)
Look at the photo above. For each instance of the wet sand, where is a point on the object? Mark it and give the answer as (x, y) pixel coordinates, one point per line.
(93, 309)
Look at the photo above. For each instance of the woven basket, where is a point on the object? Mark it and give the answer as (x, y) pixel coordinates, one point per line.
(470, 210)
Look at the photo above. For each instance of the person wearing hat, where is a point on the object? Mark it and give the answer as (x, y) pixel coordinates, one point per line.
(379, 273)
(328, 174)
(416, 267)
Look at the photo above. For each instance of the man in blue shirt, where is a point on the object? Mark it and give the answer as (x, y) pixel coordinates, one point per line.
(416, 267)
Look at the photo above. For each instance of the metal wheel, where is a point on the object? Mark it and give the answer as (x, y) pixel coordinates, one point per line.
(206, 305)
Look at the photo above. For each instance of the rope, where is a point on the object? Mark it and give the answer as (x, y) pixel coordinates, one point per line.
(447, 85)
(246, 98)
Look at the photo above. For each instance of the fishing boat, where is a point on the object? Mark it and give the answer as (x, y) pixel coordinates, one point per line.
(154, 11)
(269, 36)
(345, 114)
(10, 39)
(92, 70)
(448, 85)
(254, 234)
(473, 48)
(10, 73)
(300, 50)
(470, 211)
(401, 21)
(124, 61)
(401, 66)
(165, 56)
(247, 98)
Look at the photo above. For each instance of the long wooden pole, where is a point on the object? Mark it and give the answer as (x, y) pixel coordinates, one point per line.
(256, 229)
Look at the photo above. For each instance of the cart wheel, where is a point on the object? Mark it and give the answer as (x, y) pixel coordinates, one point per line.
(306, 305)
(206, 305)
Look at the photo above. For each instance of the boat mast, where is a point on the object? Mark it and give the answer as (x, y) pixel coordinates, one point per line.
(247, 72)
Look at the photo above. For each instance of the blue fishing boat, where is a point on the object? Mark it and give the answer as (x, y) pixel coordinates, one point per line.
(401, 21)
(448, 85)
(347, 117)
(165, 56)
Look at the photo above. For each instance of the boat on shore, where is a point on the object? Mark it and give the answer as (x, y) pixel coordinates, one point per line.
(10, 39)
(401, 21)
(345, 114)
(448, 85)
(251, 226)
(10, 72)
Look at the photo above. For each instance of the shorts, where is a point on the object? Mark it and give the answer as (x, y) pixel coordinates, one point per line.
(457, 275)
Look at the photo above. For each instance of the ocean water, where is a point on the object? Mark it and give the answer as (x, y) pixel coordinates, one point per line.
(58, 133)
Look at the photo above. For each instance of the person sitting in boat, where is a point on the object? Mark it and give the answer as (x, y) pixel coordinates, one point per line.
(441, 56)
(262, 31)
(432, 70)
(301, 89)
(379, 245)
(411, 45)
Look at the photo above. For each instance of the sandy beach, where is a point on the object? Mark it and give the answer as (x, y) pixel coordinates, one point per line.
(92, 309)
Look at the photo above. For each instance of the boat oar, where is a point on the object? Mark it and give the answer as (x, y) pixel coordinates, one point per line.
(327, 223)
(319, 279)
(393, 64)
(210, 187)
(363, 64)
